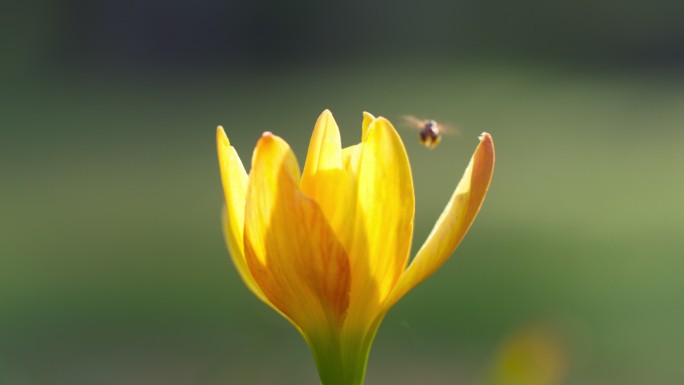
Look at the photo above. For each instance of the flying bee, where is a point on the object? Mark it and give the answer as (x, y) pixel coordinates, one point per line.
(430, 131)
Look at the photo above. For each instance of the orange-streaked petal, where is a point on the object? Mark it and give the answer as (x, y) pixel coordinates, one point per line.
(234, 180)
(290, 248)
(454, 221)
(386, 201)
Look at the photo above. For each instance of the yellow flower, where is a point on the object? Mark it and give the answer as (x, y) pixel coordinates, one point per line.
(329, 249)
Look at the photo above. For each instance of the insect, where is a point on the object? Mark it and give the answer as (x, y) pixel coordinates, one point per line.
(430, 131)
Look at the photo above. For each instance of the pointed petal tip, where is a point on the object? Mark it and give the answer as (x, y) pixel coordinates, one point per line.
(324, 152)
(365, 125)
(485, 137)
(221, 136)
(381, 121)
(486, 146)
(268, 140)
(325, 118)
(273, 148)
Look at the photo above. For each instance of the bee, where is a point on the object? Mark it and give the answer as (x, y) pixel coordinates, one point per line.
(430, 131)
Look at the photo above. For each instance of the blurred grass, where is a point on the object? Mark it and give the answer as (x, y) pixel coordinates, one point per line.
(113, 268)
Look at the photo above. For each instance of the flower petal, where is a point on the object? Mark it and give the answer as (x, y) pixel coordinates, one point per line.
(326, 181)
(290, 248)
(234, 180)
(352, 154)
(368, 118)
(387, 204)
(350, 158)
(454, 221)
(324, 151)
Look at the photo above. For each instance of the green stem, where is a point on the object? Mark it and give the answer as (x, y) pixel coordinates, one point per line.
(342, 361)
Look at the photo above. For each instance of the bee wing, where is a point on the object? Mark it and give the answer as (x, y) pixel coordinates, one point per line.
(448, 129)
(412, 121)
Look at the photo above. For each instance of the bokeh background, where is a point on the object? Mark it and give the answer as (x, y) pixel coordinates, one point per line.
(113, 269)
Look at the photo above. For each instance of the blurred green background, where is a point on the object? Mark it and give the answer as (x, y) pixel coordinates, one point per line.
(113, 269)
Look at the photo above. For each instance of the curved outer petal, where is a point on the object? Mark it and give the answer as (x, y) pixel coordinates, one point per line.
(234, 180)
(290, 248)
(454, 221)
(387, 204)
